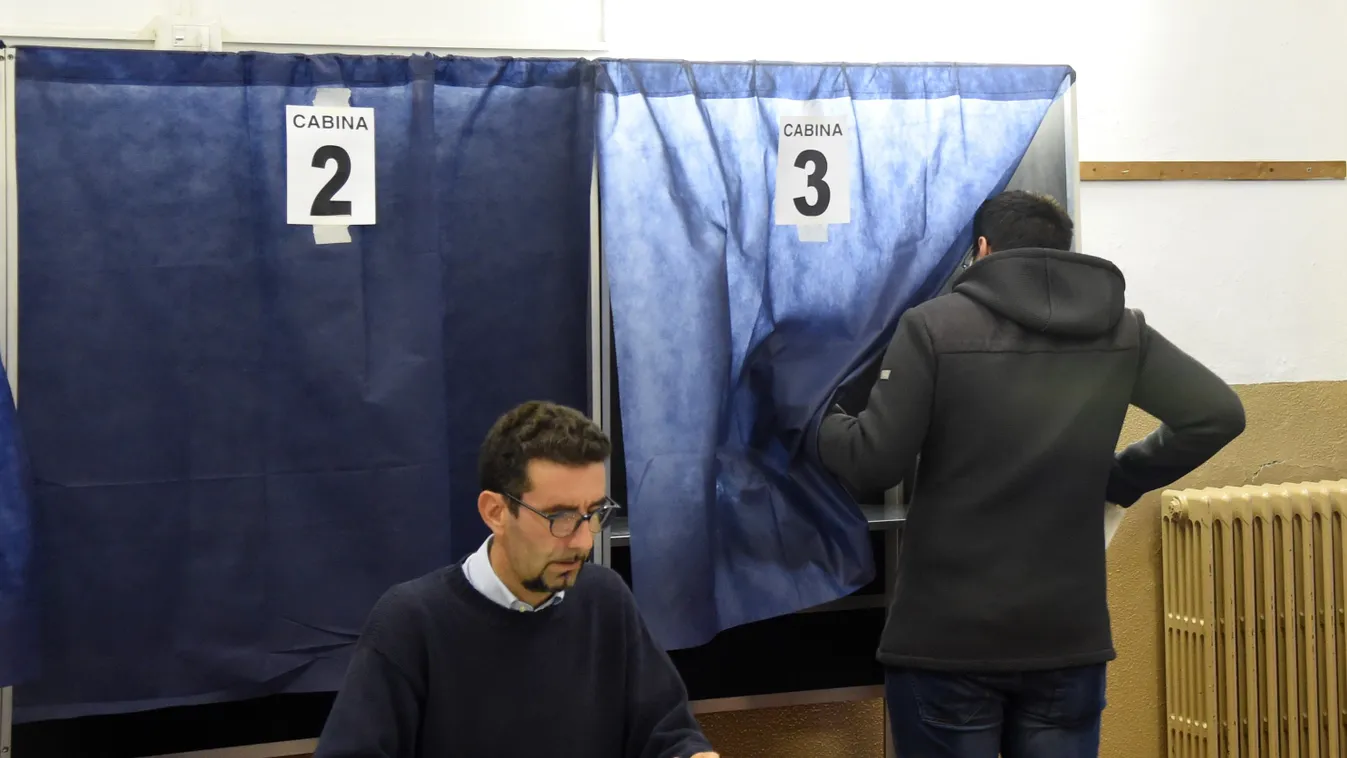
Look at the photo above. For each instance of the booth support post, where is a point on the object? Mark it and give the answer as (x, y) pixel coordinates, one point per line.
(9, 256)
(6, 712)
(600, 348)
(1072, 140)
(893, 543)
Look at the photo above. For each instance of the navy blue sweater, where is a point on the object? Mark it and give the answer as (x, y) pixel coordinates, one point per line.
(442, 672)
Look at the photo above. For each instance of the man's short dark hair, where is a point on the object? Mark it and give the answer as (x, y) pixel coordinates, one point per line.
(537, 430)
(1018, 219)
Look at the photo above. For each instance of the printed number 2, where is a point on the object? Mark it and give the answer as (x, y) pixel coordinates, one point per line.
(324, 205)
(815, 180)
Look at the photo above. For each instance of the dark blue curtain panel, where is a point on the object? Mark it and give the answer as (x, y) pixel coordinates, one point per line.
(241, 438)
(20, 653)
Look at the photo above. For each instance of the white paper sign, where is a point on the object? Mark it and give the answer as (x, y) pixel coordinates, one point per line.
(329, 165)
(813, 171)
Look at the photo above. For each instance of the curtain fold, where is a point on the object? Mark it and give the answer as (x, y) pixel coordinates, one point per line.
(732, 334)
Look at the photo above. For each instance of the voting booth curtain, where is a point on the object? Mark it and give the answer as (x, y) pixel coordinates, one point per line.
(732, 332)
(239, 437)
(19, 653)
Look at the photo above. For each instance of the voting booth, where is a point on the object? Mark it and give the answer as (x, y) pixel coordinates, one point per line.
(736, 321)
(268, 305)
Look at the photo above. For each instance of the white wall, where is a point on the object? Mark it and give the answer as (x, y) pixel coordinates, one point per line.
(1242, 275)
(540, 25)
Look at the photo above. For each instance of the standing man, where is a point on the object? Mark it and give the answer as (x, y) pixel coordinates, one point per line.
(1012, 389)
(522, 649)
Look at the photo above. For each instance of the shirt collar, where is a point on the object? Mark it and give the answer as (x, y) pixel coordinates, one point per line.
(482, 576)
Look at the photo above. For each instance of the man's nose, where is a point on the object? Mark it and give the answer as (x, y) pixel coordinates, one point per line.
(581, 539)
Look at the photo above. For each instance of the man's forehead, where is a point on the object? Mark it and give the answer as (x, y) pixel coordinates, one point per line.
(558, 475)
(575, 486)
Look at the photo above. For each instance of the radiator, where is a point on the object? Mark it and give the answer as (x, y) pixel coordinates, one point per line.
(1255, 602)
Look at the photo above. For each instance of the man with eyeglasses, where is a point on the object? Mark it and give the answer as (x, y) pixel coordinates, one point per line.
(523, 648)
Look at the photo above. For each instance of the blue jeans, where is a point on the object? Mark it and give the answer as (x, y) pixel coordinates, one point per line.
(1042, 714)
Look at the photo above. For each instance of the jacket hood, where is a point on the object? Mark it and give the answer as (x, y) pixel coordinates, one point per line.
(1049, 291)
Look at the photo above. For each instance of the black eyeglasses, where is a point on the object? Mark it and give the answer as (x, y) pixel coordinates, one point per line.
(563, 524)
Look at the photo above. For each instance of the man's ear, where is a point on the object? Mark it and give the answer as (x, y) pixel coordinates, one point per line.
(491, 507)
(984, 249)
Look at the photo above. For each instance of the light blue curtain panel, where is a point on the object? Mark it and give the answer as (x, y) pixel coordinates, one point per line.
(732, 334)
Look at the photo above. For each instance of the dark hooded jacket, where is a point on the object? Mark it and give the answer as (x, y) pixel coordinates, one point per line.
(1011, 393)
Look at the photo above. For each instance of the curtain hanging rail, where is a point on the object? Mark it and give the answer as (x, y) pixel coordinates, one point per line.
(101, 36)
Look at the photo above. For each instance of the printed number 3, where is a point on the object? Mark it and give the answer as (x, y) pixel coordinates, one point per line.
(324, 205)
(815, 180)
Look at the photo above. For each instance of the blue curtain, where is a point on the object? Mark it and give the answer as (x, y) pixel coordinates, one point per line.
(239, 438)
(19, 651)
(732, 334)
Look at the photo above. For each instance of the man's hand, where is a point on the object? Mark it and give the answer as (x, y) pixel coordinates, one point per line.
(707, 755)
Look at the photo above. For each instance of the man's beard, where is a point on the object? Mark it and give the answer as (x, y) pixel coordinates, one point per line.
(539, 583)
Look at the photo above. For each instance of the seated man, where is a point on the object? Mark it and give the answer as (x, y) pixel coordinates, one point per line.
(521, 649)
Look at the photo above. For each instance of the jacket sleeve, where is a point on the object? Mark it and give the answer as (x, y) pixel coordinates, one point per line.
(377, 712)
(1198, 412)
(872, 451)
(659, 721)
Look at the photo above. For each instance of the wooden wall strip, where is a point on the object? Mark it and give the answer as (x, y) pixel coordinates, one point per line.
(1159, 171)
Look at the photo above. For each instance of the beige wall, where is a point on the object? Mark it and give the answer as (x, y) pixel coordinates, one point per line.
(1296, 432)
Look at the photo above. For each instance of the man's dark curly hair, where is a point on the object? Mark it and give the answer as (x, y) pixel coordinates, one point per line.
(537, 430)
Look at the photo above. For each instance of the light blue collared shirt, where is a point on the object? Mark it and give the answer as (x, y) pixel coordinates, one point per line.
(482, 576)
